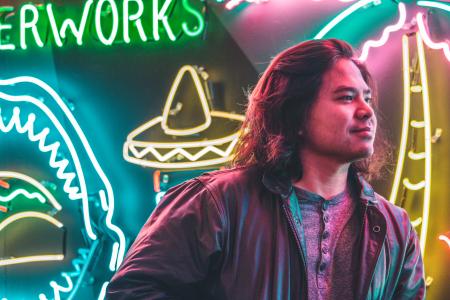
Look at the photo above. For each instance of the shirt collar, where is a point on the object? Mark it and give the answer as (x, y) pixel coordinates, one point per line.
(282, 185)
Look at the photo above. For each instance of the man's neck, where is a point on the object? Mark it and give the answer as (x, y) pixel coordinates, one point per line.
(322, 175)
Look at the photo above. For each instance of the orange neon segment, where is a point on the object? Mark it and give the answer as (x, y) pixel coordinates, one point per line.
(157, 181)
(4, 184)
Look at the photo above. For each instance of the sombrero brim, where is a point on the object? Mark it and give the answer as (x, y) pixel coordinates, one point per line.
(150, 146)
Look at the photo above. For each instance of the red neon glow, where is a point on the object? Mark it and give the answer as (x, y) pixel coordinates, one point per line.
(386, 32)
(426, 38)
(156, 181)
(445, 239)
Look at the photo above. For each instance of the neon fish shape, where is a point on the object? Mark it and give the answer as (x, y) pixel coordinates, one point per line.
(70, 153)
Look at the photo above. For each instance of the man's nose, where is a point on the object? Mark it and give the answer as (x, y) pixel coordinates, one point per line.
(364, 110)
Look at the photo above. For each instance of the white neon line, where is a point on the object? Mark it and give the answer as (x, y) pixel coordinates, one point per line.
(416, 222)
(416, 155)
(103, 200)
(386, 32)
(413, 186)
(30, 259)
(427, 130)
(25, 193)
(183, 165)
(426, 38)
(417, 124)
(30, 214)
(113, 261)
(233, 3)
(53, 149)
(102, 293)
(159, 196)
(439, 5)
(28, 128)
(344, 14)
(144, 127)
(203, 100)
(193, 144)
(118, 251)
(86, 147)
(34, 182)
(187, 155)
(405, 121)
(445, 239)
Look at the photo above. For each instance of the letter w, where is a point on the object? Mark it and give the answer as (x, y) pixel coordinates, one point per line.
(77, 32)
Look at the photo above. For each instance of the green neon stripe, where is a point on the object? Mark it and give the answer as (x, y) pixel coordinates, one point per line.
(434, 4)
(347, 12)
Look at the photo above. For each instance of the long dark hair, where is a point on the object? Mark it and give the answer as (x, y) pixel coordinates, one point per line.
(280, 103)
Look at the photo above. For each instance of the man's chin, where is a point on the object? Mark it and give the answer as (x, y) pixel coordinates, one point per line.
(361, 154)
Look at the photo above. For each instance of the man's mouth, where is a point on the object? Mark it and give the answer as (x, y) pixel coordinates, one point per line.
(361, 129)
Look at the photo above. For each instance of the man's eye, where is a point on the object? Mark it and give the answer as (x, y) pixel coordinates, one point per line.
(346, 97)
(368, 100)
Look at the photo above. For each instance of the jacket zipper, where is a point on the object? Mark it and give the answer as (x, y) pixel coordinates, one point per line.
(297, 241)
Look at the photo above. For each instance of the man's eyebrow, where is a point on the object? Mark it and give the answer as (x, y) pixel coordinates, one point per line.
(340, 89)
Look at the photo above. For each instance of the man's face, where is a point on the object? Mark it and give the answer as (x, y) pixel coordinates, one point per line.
(342, 123)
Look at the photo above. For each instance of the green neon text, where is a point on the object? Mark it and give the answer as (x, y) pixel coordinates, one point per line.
(105, 21)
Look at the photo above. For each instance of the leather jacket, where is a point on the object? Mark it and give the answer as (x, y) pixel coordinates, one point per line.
(229, 235)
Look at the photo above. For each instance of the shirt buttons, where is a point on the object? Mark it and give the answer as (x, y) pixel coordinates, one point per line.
(325, 206)
(326, 218)
(376, 228)
(325, 234)
(322, 267)
(324, 250)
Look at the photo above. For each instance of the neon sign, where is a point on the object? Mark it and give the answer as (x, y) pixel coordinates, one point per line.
(17, 97)
(42, 196)
(189, 145)
(234, 3)
(107, 21)
(445, 239)
(385, 35)
(425, 125)
(416, 85)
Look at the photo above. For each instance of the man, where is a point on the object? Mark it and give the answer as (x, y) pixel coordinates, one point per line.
(295, 219)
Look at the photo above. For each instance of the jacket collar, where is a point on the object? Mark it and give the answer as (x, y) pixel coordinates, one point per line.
(282, 185)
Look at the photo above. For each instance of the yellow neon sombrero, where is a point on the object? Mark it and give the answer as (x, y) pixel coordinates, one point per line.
(165, 144)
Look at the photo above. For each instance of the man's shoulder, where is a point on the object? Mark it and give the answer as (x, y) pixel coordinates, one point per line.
(392, 212)
(231, 178)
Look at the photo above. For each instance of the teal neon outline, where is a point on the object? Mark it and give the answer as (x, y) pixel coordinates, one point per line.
(434, 4)
(342, 15)
(106, 194)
